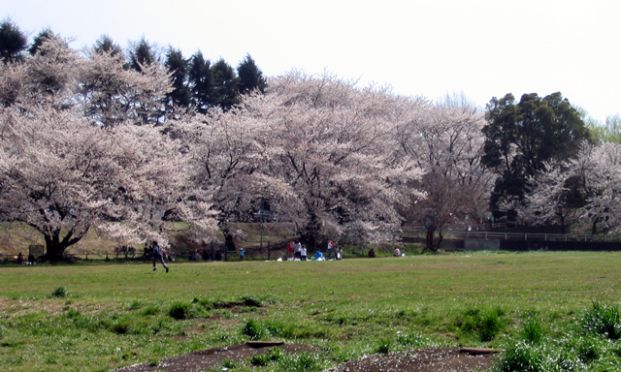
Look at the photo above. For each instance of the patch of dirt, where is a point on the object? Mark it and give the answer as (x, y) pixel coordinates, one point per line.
(213, 358)
(424, 360)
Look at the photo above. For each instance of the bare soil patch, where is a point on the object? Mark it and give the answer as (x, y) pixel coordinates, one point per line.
(424, 360)
(213, 358)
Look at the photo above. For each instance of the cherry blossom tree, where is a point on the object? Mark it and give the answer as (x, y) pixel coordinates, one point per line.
(62, 176)
(584, 191)
(600, 169)
(72, 159)
(445, 141)
(332, 147)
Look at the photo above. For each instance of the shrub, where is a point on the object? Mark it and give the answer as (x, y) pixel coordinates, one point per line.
(59, 292)
(603, 320)
(179, 311)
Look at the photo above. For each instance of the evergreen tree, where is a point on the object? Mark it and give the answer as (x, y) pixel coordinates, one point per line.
(105, 44)
(141, 53)
(199, 77)
(178, 67)
(225, 92)
(521, 137)
(250, 77)
(12, 41)
(40, 39)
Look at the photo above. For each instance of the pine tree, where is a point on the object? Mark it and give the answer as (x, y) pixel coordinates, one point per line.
(199, 77)
(178, 67)
(250, 77)
(12, 41)
(105, 44)
(225, 85)
(141, 54)
(42, 37)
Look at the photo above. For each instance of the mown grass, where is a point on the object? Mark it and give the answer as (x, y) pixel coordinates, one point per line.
(115, 315)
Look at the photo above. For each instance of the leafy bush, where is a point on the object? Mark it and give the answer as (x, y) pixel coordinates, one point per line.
(603, 320)
(59, 292)
(179, 310)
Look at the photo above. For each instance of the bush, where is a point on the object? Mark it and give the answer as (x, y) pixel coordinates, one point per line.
(179, 311)
(602, 320)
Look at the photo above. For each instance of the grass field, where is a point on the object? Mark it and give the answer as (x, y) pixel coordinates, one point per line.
(100, 317)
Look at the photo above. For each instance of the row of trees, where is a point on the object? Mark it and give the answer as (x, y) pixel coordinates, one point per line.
(87, 143)
(197, 83)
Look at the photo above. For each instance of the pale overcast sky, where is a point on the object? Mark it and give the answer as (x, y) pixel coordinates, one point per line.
(481, 48)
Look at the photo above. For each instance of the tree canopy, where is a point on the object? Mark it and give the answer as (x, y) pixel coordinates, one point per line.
(521, 137)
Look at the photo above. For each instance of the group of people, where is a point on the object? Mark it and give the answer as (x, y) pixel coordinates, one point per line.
(296, 251)
(20, 259)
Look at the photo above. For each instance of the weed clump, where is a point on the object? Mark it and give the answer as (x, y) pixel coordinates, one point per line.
(602, 320)
(532, 331)
(255, 330)
(384, 347)
(179, 311)
(522, 357)
(484, 324)
(60, 292)
(263, 360)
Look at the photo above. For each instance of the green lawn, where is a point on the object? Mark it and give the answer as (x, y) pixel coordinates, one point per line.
(117, 315)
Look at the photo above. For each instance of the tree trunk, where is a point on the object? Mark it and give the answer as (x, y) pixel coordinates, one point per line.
(429, 246)
(440, 238)
(55, 245)
(310, 235)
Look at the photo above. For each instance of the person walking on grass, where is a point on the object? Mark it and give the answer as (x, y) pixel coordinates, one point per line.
(158, 255)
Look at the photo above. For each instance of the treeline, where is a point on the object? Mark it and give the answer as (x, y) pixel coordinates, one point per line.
(123, 142)
(197, 83)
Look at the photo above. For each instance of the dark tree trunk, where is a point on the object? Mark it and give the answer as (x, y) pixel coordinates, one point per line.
(429, 246)
(440, 238)
(55, 246)
(310, 235)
